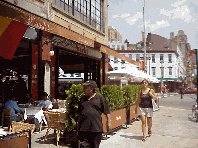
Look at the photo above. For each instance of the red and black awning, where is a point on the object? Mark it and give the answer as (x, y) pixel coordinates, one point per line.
(11, 33)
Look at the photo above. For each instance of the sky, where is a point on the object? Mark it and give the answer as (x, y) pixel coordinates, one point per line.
(161, 18)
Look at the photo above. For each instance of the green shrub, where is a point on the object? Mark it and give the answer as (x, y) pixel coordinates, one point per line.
(113, 95)
(74, 94)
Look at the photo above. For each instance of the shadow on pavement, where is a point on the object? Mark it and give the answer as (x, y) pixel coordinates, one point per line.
(132, 137)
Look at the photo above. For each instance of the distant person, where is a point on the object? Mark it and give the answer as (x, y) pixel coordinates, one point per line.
(163, 90)
(181, 88)
(145, 107)
(90, 108)
(14, 108)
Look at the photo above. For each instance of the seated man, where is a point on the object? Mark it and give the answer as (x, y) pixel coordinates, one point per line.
(45, 103)
(14, 108)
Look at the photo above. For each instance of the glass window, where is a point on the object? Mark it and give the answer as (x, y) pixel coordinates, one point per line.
(115, 60)
(123, 47)
(130, 56)
(153, 71)
(162, 57)
(153, 58)
(170, 71)
(86, 10)
(115, 68)
(123, 61)
(170, 58)
(137, 57)
(118, 47)
(113, 46)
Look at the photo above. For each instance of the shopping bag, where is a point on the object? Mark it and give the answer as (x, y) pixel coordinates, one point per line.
(155, 107)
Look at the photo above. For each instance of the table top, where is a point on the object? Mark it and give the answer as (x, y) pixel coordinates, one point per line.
(3, 131)
(58, 110)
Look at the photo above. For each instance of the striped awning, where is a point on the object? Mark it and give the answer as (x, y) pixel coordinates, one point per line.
(11, 33)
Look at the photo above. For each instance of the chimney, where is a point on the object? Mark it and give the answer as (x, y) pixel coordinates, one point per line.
(171, 35)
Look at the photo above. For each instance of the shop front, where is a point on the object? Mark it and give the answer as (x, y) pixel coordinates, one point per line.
(54, 46)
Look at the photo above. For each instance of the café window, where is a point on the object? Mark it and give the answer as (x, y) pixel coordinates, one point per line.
(89, 11)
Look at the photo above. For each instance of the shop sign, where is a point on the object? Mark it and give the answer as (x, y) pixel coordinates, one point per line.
(73, 46)
(33, 23)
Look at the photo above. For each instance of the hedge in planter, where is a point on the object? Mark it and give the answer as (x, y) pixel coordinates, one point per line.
(74, 94)
(113, 95)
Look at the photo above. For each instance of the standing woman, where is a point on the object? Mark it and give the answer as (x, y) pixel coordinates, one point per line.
(145, 107)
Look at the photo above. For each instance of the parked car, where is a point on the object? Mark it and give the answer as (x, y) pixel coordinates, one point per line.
(190, 90)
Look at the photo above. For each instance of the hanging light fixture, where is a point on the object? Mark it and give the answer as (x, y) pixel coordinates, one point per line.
(51, 51)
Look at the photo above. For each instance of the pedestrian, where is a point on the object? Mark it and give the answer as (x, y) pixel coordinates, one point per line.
(163, 90)
(181, 88)
(90, 108)
(145, 107)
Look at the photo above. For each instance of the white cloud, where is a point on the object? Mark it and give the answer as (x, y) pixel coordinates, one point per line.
(157, 25)
(182, 12)
(132, 20)
(124, 15)
(177, 4)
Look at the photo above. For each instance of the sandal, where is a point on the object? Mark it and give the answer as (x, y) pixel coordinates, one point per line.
(149, 133)
(144, 139)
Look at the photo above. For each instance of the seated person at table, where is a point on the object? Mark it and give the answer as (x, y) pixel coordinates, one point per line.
(45, 103)
(29, 98)
(14, 108)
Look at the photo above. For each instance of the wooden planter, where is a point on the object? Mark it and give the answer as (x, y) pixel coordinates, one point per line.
(133, 115)
(118, 118)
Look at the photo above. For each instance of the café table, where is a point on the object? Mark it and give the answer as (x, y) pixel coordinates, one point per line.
(35, 112)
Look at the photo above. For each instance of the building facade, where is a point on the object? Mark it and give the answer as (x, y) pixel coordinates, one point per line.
(69, 34)
(165, 59)
(114, 35)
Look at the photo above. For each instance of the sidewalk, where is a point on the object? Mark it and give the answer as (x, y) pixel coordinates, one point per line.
(171, 129)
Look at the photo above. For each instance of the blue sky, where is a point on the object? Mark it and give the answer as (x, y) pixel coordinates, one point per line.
(161, 17)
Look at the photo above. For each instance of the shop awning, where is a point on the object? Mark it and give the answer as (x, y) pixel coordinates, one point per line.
(11, 33)
(133, 73)
(113, 53)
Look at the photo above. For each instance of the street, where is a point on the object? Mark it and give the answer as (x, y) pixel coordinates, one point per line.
(173, 126)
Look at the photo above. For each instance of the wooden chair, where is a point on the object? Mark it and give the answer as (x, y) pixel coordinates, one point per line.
(54, 121)
(7, 118)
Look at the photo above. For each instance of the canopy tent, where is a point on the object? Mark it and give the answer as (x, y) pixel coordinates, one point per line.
(131, 73)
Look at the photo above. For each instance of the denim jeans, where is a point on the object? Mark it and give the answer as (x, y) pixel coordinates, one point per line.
(16, 118)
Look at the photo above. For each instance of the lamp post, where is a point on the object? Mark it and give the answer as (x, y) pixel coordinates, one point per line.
(149, 58)
(162, 73)
(144, 40)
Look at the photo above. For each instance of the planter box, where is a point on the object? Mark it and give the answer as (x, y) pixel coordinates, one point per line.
(118, 118)
(132, 111)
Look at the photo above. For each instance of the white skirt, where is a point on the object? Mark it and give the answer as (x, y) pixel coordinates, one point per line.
(148, 112)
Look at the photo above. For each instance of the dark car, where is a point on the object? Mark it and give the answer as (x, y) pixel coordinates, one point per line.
(190, 90)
